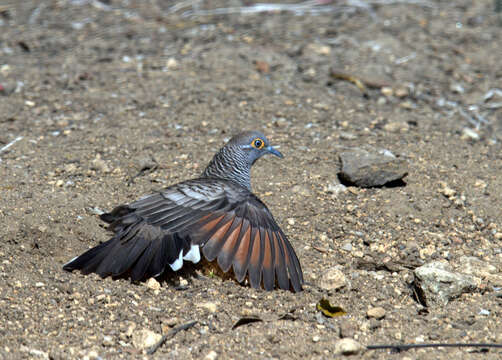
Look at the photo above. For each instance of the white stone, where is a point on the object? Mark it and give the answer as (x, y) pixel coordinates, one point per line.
(152, 284)
(210, 306)
(212, 355)
(347, 346)
(144, 339)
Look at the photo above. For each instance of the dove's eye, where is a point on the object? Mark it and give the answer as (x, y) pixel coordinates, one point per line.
(258, 143)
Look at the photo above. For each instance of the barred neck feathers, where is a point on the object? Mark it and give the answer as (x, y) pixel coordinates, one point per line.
(230, 163)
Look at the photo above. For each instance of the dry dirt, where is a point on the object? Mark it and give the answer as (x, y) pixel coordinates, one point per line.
(97, 89)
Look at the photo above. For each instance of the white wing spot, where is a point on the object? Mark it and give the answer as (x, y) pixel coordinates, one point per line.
(193, 255)
(178, 263)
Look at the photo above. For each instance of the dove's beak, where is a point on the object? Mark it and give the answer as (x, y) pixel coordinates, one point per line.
(275, 152)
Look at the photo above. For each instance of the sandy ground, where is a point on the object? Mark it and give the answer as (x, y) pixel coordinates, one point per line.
(96, 90)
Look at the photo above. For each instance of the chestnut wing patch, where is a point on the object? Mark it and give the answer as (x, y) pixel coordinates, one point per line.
(248, 239)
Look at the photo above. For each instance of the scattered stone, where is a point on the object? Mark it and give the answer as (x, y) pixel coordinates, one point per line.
(7, 88)
(262, 66)
(347, 346)
(348, 329)
(212, 355)
(447, 191)
(70, 168)
(484, 312)
(397, 127)
(347, 246)
(474, 266)
(172, 63)
(316, 338)
(376, 312)
(144, 339)
(469, 134)
(333, 279)
(347, 136)
(301, 189)
(39, 354)
(100, 165)
(171, 322)
(402, 92)
(319, 49)
(335, 189)
(153, 284)
(387, 91)
(381, 100)
(107, 340)
(92, 355)
(457, 88)
(437, 284)
(281, 122)
(146, 163)
(209, 306)
(365, 169)
(130, 330)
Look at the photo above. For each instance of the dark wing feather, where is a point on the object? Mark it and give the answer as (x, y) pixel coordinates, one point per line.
(227, 221)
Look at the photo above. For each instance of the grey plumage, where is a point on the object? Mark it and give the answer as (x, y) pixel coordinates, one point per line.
(216, 212)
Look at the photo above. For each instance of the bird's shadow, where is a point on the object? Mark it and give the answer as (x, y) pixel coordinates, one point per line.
(202, 270)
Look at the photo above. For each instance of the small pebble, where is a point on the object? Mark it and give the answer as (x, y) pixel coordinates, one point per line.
(396, 127)
(172, 63)
(347, 346)
(209, 306)
(469, 134)
(376, 312)
(152, 284)
(212, 355)
(333, 279)
(144, 339)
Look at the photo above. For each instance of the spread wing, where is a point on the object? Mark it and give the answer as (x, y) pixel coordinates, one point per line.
(163, 229)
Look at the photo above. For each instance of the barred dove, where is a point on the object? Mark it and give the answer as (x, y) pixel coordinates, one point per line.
(216, 212)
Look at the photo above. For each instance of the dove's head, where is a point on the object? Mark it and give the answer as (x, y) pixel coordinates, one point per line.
(234, 160)
(254, 144)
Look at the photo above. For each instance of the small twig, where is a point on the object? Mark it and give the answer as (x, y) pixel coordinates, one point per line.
(404, 347)
(361, 83)
(321, 250)
(169, 335)
(4, 148)
(311, 7)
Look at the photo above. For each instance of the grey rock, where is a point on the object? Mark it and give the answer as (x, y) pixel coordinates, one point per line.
(481, 269)
(333, 279)
(437, 284)
(376, 312)
(365, 169)
(145, 338)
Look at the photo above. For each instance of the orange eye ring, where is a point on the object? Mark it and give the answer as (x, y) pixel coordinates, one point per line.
(258, 143)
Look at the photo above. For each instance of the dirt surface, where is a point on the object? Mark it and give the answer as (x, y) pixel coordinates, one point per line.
(100, 90)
